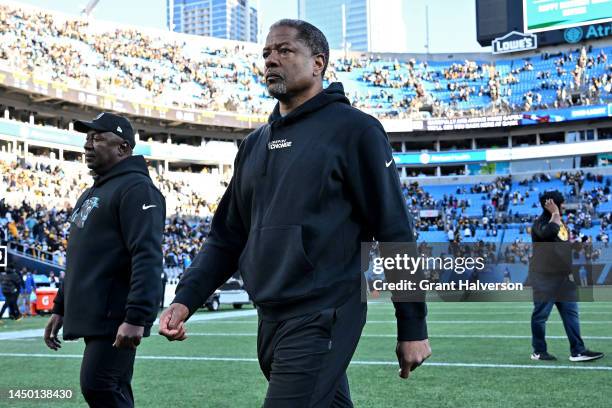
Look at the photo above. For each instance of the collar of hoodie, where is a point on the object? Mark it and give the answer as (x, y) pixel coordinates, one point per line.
(128, 165)
(333, 93)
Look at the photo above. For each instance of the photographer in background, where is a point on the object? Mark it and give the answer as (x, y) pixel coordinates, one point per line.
(11, 286)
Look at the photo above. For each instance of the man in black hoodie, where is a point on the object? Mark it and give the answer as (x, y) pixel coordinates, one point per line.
(11, 284)
(550, 270)
(110, 295)
(307, 189)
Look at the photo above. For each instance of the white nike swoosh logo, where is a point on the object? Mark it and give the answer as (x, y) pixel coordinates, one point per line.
(388, 164)
(146, 207)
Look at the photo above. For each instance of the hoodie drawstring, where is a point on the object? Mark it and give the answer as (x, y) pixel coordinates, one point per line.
(264, 165)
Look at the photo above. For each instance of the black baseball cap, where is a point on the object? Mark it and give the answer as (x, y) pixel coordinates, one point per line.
(109, 122)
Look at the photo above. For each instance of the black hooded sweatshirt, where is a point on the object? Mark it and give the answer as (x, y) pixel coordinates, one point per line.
(552, 250)
(307, 189)
(11, 282)
(114, 255)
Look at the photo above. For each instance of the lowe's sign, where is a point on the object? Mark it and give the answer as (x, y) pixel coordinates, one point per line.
(514, 42)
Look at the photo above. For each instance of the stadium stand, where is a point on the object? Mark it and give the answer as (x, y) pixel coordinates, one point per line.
(476, 139)
(187, 72)
(40, 192)
(170, 69)
(34, 211)
(504, 210)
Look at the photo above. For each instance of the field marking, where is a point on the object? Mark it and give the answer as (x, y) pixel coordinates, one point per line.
(356, 362)
(526, 321)
(476, 312)
(218, 315)
(488, 321)
(439, 336)
(222, 318)
(486, 306)
(486, 365)
(22, 334)
(199, 318)
(433, 313)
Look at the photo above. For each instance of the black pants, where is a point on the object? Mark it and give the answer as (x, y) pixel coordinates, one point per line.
(10, 302)
(106, 374)
(305, 358)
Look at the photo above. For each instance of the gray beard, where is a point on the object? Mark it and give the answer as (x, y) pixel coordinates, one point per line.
(278, 90)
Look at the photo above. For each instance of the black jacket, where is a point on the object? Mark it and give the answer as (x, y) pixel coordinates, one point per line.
(552, 250)
(307, 189)
(11, 282)
(114, 254)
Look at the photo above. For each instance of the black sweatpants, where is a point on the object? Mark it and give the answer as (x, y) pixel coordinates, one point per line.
(10, 302)
(106, 374)
(305, 358)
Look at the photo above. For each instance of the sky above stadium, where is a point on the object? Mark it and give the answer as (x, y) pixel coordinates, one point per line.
(444, 16)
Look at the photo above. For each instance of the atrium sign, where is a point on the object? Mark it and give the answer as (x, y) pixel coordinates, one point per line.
(514, 42)
(574, 35)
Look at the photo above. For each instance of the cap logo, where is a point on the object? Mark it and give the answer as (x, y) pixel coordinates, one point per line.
(119, 129)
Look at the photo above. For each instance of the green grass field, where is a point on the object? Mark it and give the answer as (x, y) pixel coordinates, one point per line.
(480, 359)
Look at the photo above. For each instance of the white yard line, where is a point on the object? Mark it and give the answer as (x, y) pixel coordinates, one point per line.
(478, 313)
(487, 321)
(222, 318)
(487, 305)
(24, 334)
(204, 317)
(356, 362)
(526, 321)
(432, 336)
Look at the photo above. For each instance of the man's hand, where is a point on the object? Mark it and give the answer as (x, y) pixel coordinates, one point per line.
(52, 329)
(551, 207)
(411, 354)
(128, 336)
(172, 322)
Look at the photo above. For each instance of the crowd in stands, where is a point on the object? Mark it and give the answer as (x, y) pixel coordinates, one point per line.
(127, 62)
(170, 70)
(501, 204)
(40, 181)
(38, 231)
(34, 211)
(182, 241)
(33, 183)
(38, 199)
